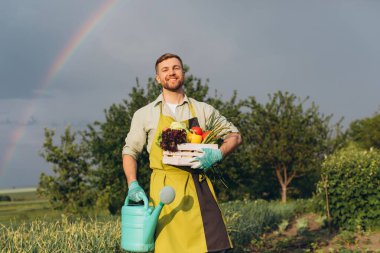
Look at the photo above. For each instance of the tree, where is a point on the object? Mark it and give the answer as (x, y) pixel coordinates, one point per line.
(233, 178)
(106, 140)
(366, 132)
(68, 188)
(285, 138)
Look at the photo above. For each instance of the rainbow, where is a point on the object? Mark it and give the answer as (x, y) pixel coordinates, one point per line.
(59, 62)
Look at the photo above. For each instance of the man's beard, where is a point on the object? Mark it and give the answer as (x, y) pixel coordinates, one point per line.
(175, 88)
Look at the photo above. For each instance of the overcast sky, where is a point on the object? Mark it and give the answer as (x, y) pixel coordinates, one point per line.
(328, 50)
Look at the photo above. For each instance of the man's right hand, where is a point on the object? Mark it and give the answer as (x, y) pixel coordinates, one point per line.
(135, 192)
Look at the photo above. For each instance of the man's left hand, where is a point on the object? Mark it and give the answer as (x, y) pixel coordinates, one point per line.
(209, 158)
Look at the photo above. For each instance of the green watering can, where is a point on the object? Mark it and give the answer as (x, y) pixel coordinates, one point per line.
(138, 222)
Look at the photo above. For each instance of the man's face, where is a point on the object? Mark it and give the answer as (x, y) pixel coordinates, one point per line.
(170, 74)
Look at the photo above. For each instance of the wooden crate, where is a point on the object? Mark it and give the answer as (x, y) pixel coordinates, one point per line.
(186, 152)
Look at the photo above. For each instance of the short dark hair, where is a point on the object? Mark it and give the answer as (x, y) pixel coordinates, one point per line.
(167, 56)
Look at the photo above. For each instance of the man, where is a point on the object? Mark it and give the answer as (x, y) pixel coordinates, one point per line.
(193, 222)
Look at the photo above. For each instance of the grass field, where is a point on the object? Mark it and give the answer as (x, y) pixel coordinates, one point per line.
(25, 206)
(28, 224)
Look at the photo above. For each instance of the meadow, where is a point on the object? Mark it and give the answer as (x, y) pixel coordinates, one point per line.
(28, 224)
(25, 206)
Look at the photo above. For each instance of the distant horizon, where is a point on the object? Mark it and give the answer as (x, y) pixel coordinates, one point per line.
(17, 189)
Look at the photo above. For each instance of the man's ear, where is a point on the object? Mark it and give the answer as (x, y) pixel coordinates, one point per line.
(158, 79)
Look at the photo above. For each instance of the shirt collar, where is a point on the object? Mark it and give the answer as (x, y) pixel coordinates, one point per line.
(160, 99)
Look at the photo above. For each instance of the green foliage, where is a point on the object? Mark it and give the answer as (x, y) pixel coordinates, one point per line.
(234, 172)
(5, 198)
(302, 225)
(105, 141)
(68, 234)
(322, 221)
(283, 226)
(310, 205)
(351, 177)
(16, 212)
(68, 188)
(346, 237)
(285, 140)
(247, 220)
(366, 132)
(277, 136)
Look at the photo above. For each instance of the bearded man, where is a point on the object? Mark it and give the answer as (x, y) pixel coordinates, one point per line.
(193, 222)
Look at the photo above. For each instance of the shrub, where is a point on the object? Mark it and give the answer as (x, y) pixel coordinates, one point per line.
(346, 237)
(283, 226)
(351, 178)
(5, 198)
(310, 205)
(302, 225)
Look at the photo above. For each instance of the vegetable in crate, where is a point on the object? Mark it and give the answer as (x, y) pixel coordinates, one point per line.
(197, 130)
(171, 137)
(193, 138)
(177, 125)
(215, 129)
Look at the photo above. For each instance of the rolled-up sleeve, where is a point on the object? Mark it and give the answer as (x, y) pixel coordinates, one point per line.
(136, 138)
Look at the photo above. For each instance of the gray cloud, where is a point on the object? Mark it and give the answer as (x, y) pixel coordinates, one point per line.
(6, 121)
(32, 34)
(31, 121)
(328, 52)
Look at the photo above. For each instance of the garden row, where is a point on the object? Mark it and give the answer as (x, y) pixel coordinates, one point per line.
(245, 220)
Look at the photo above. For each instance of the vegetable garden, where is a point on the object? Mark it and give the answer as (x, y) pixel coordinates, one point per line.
(328, 180)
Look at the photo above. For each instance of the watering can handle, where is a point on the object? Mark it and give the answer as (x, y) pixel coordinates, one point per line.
(144, 198)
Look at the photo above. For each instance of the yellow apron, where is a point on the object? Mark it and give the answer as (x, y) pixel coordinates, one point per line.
(192, 223)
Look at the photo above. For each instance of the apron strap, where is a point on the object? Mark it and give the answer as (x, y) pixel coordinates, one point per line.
(192, 111)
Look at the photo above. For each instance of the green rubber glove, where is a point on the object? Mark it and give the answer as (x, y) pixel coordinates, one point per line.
(210, 157)
(135, 192)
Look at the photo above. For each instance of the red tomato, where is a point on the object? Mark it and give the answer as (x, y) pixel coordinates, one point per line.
(204, 135)
(197, 130)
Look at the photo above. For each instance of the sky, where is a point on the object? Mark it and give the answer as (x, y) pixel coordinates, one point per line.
(64, 62)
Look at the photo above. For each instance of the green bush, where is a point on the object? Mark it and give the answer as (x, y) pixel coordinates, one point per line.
(310, 205)
(5, 198)
(351, 177)
(302, 225)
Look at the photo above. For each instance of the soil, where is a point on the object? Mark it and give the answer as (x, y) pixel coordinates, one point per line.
(316, 238)
(363, 242)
